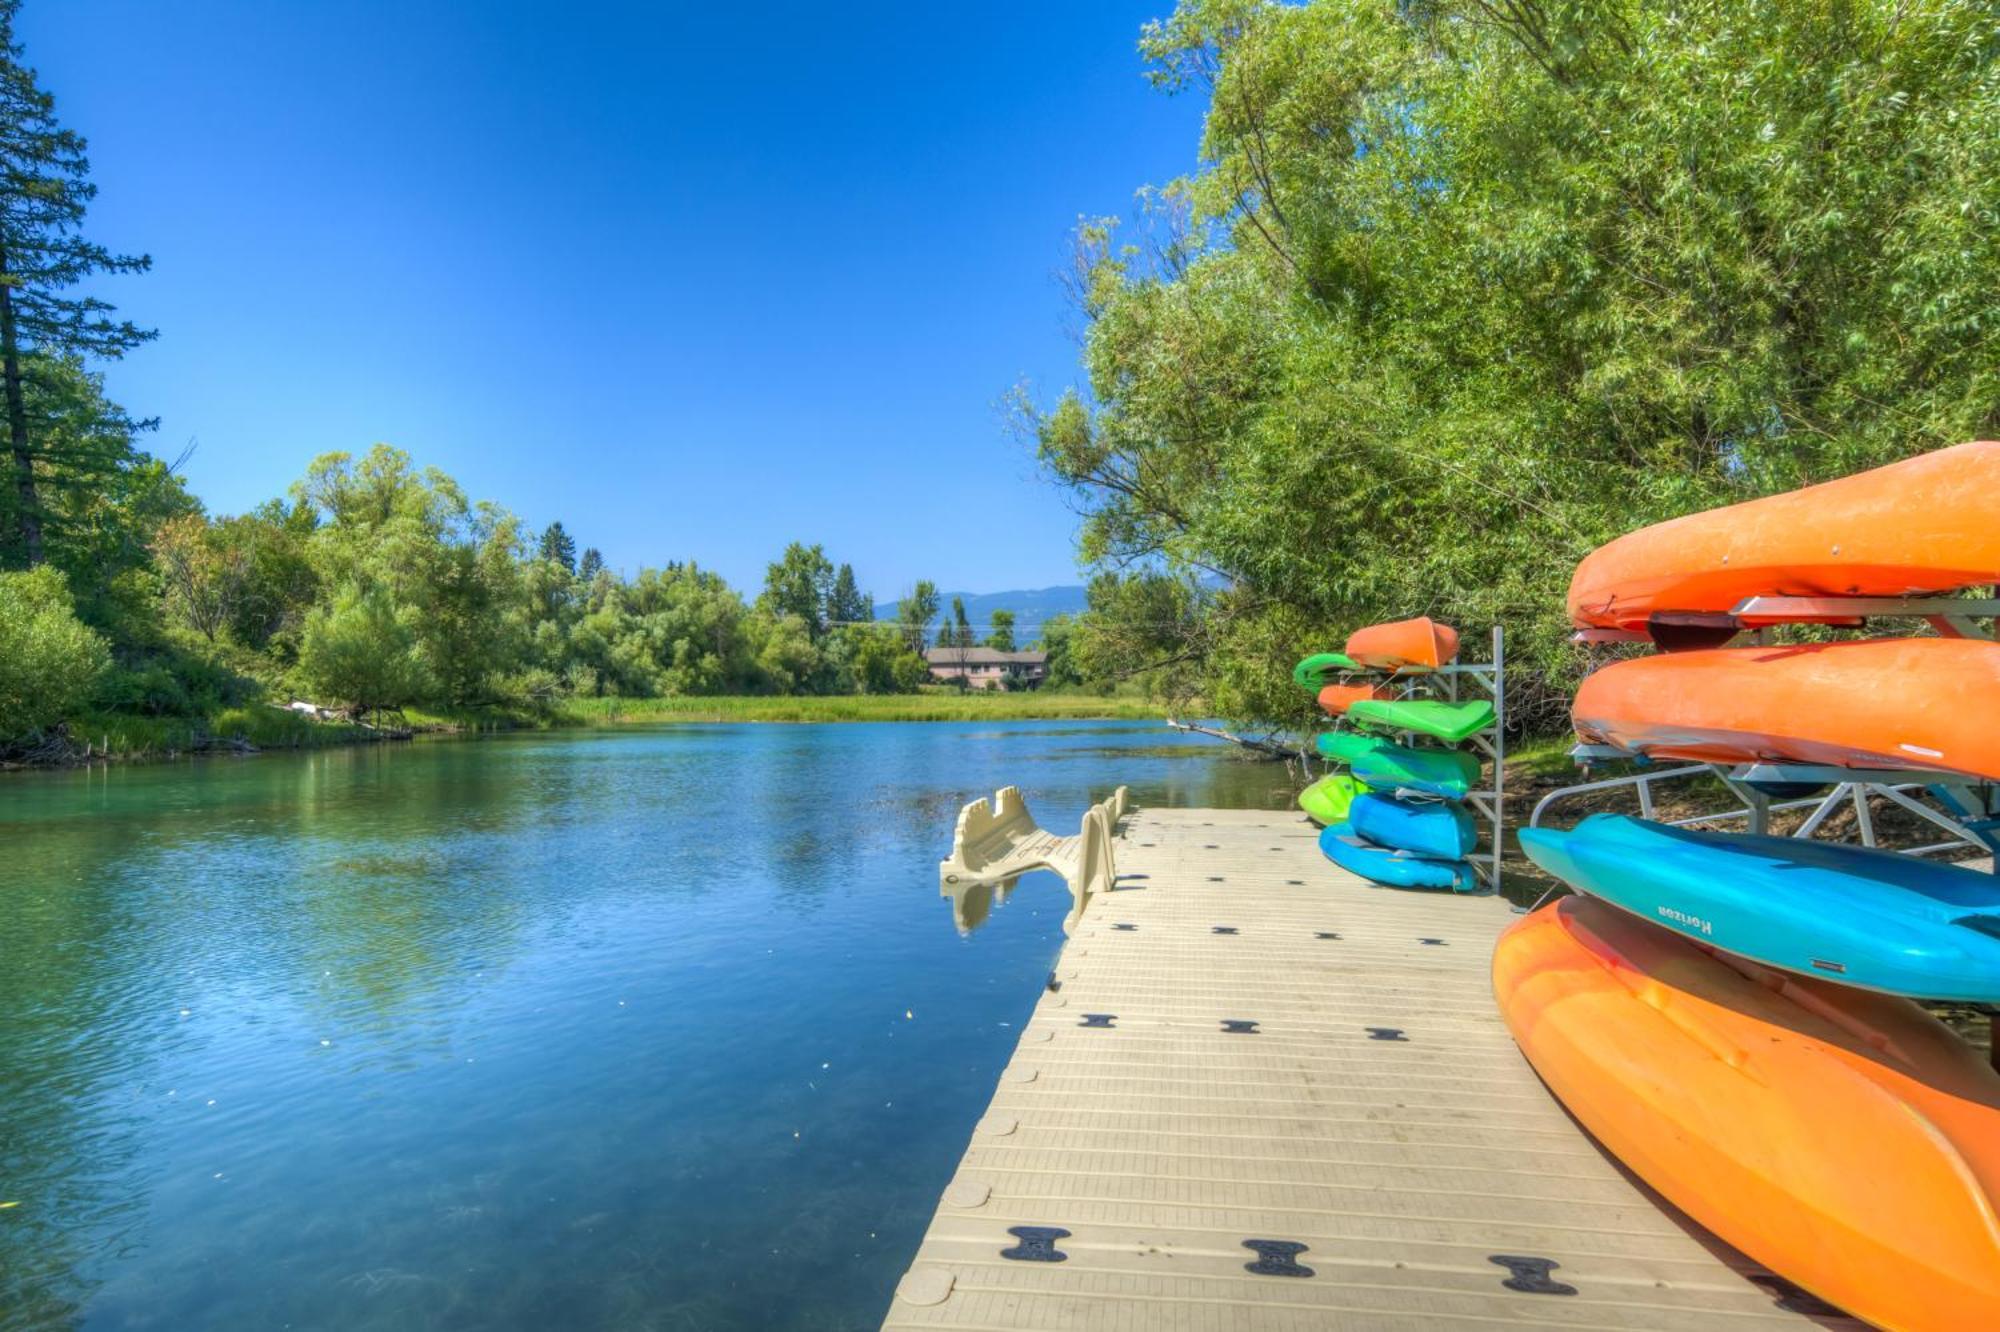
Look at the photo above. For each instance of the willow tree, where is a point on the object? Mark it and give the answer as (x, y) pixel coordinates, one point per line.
(1462, 288)
(45, 190)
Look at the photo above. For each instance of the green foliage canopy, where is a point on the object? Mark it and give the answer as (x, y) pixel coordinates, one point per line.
(1465, 288)
(49, 660)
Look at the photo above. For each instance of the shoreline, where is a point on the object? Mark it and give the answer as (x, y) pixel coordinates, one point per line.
(248, 732)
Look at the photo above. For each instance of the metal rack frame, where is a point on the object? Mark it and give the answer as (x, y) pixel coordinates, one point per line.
(1490, 803)
(1966, 809)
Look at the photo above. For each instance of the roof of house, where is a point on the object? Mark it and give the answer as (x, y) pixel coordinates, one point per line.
(982, 656)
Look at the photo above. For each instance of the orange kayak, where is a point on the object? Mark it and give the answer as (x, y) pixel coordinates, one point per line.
(1335, 699)
(1920, 527)
(1869, 703)
(1408, 647)
(1847, 1140)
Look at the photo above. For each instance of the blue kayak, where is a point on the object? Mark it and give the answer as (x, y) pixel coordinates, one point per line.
(1438, 828)
(1872, 919)
(1398, 869)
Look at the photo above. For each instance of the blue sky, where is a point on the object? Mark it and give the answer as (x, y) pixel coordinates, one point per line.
(696, 279)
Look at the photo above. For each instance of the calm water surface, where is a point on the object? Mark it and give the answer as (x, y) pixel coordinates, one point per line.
(654, 1029)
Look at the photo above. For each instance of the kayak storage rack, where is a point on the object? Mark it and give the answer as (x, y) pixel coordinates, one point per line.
(1966, 809)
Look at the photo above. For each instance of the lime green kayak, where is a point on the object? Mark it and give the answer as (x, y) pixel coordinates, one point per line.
(1449, 722)
(1384, 765)
(1315, 670)
(1327, 799)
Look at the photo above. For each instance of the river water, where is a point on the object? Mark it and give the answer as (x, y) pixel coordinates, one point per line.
(661, 1028)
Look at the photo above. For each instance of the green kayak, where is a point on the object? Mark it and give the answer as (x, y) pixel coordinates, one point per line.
(1327, 799)
(1316, 670)
(1384, 765)
(1347, 746)
(1449, 722)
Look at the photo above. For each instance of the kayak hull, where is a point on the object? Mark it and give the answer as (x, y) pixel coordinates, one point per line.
(1923, 526)
(1870, 703)
(1874, 919)
(1392, 868)
(1327, 800)
(1847, 1140)
(1449, 722)
(1407, 647)
(1437, 828)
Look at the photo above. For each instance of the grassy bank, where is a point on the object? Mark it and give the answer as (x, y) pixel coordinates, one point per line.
(99, 736)
(858, 707)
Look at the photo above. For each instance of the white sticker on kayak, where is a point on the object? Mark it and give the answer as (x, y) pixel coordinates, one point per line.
(1919, 749)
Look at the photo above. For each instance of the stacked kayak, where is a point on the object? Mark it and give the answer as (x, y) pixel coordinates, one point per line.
(1733, 1015)
(1872, 919)
(1327, 800)
(1915, 528)
(1847, 1140)
(1397, 816)
(1865, 703)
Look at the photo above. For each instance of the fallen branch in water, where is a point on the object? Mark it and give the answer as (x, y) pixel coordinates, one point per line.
(1268, 747)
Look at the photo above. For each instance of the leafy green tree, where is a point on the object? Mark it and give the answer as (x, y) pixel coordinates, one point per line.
(914, 614)
(363, 651)
(1060, 670)
(1000, 634)
(799, 585)
(786, 657)
(961, 628)
(558, 547)
(204, 574)
(280, 586)
(49, 660)
(455, 565)
(882, 662)
(43, 258)
(846, 604)
(1464, 289)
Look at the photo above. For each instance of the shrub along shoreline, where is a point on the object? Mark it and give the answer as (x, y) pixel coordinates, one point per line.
(261, 728)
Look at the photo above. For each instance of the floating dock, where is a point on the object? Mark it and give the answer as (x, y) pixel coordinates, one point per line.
(1263, 1094)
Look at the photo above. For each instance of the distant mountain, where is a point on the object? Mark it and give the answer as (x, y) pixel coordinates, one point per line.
(1030, 608)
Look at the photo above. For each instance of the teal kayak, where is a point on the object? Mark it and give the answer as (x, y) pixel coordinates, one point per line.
(1440, 828)
(1872, 919)
(1449, 722)
(1397, 869)
(1388, 766)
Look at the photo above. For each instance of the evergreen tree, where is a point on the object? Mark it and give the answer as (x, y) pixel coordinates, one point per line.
(962, 636)
(559, 547)
(1001, 638)
(591, 565)
(846, 604)
(44, 192)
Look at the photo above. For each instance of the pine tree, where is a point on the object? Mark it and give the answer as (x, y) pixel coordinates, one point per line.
(962, 635)
(559, 547)
(591, 566)
(846, 604)
(44, 193)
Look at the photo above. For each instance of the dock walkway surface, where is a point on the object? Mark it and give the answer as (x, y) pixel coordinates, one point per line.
(1267, 1095)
